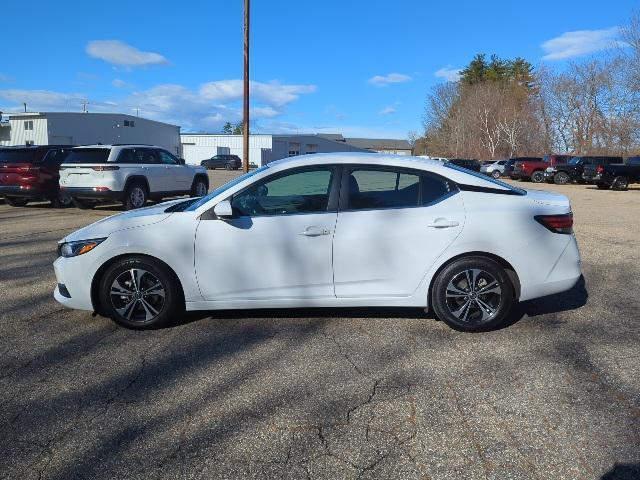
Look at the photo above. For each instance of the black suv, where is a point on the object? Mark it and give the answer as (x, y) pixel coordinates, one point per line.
(228, 162)
(579, 169)
(618, 176)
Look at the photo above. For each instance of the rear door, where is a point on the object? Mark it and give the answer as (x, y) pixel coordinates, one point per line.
(392, 226)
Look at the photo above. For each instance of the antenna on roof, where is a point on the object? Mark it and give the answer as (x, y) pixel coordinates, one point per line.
(25, 106)
(85, 102)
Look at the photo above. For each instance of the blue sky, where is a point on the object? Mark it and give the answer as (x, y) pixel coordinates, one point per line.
(361, 68)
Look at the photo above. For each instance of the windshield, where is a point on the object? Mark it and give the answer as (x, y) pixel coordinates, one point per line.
(486, 178)
(226, 186)
(575, 160)
(88, 155)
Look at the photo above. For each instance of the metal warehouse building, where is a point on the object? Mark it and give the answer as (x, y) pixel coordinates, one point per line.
(262, 148)
(71, 128)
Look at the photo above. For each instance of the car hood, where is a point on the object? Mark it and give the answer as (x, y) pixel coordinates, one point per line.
(122, 221)
(549, 198)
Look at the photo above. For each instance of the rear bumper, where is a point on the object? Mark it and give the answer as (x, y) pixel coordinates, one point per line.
(92, 193)
(21, 191)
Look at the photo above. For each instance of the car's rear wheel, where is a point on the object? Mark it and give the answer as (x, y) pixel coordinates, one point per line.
(83, 204)
(16, 201)
(603, 186)
(61, 200)
(140, 292)
(495, 174)
(561, 178)
(620, 183)
(135, 196)
(537, 177)
(473, 294)
(199, 187)
(227, 166)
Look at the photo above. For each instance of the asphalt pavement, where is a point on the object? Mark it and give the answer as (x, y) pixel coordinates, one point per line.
(321, 393)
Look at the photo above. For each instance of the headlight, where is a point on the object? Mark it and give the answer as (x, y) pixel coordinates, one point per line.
(73, 249)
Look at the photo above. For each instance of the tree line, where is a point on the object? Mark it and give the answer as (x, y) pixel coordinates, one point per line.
(502, 108)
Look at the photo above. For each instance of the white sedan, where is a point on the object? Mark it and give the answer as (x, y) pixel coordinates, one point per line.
(328, 230)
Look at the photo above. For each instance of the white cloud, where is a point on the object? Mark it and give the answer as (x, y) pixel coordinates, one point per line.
(272, 93)
(120, 83)
(386, 80)
(42, 99)
(580, 43)
(119, 53)
(448, 73)
(388, 110)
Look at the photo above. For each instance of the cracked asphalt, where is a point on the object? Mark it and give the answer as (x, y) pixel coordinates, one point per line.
(351, 393)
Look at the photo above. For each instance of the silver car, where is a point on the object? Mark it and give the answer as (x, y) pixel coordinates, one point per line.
(495, 169)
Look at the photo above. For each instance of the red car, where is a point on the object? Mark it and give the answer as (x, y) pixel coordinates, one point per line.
(31, 173)
(533, 168)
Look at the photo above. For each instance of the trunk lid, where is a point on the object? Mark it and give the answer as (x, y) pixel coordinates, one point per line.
(550, 198)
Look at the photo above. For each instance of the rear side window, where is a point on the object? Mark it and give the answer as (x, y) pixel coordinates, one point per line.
(143, 156)
(88, 155)
(383, 189)
(633, 161)
(56, 157)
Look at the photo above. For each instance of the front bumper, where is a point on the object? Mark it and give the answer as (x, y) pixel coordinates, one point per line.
(74, 275)
(92, 193)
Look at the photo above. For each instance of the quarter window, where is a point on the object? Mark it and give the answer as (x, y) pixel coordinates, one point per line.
(299, 192)
(383, 189)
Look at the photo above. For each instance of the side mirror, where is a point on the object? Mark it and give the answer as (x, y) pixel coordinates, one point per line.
(181, 161)
(223, 209)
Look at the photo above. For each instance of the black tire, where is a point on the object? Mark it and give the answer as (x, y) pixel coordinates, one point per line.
(537, 177)
(603, 186)
(61, 200)
(135, 196)
(199, 186)
(495, 174)
(227, 166)
(133, 308)
(16, 201)
(561, 178)
(83, 204)
(620, 183)
(451, 309)
(513, 177)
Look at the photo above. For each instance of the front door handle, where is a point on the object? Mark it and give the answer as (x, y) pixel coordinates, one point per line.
(443, 223)
(314, 231)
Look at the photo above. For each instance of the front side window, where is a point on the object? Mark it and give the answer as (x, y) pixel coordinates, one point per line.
(383, 189)
(167, 158)
(298, 192)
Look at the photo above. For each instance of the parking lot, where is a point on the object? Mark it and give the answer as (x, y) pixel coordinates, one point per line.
(371, 393)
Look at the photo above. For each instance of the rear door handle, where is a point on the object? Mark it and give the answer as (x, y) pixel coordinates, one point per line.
(443, 223)
(314, 231)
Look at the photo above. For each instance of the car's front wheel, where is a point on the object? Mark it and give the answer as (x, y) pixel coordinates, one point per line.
(61, 200)
(140, 292)
(472, 294)
(495, 174)
(199, 188)
(620, 183)
(561, 178)
(135, 196)
(537, 177)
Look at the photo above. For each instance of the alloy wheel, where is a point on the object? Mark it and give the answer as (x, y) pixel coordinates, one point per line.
(473, 296)
(137, 197)
(137, 295)
(201, 189)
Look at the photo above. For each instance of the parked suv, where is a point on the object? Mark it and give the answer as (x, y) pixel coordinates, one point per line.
(228, 162)
(518, 172)
(31, 173)
(618, 176)
(576, 167)
(130, 174)
(533, 168)
(495, 169)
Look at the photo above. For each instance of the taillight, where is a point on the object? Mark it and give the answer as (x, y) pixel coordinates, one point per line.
(27, 169)
(557, 223)
(600, 169)
(106, 168)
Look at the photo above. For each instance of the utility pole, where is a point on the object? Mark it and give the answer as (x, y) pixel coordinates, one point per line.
(245, 106)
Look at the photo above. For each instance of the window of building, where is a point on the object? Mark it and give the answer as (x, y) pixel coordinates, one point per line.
(294, 149)
(28, 124)
(298, 192)
(29, 142)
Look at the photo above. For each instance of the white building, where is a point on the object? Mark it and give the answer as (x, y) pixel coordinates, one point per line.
(263, 148)
(71, 128)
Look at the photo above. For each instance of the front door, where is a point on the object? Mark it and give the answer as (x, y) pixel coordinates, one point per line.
(278, 245)
(391, 229)
(177, 177)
